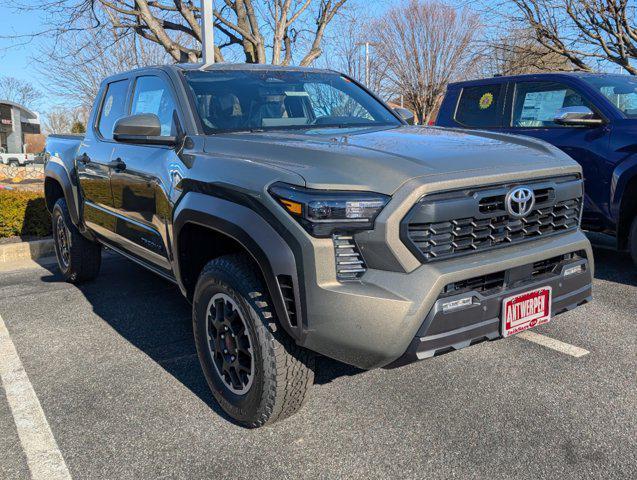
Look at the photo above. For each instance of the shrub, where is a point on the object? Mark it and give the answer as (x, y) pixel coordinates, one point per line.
(23, 214)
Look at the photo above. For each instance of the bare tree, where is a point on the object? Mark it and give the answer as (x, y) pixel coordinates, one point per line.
(582, 30)
(348, 53)
(80, 60)
(517, 52)
(19, 91)
(59, 120)
(425, 45)
(254, 26)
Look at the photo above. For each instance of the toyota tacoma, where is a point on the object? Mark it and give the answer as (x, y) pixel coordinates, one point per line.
(299, 214)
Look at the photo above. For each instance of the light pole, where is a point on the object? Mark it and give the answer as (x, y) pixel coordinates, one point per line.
(367, 44)
(207, 33)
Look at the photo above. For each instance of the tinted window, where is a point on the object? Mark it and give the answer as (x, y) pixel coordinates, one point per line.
(478, 106)
(152, 95)
(621, 90)
(535, 104)
(278, 99)
(113, 107)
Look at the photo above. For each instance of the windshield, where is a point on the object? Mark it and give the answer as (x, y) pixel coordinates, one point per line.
(240, 100)
(620, 90)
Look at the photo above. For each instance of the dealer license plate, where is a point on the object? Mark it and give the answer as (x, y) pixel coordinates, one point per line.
(526, 310)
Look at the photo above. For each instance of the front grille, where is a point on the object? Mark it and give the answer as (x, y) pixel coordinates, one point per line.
(349, 262)
(441, 227)
(487, 284)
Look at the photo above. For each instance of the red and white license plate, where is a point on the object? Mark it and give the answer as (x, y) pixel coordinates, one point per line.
(526, 310)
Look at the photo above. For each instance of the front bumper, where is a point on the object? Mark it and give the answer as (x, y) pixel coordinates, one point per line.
(444, 331)
(392, 318)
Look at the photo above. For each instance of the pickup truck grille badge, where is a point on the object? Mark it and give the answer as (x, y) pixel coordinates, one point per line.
(490, 226)
(350, 265)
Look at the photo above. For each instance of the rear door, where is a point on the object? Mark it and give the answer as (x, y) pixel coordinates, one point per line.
(480, 106)
(533, 107)
(141, 181)
(94, 156)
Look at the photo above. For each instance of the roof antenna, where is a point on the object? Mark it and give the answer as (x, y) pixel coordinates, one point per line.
(207, 34)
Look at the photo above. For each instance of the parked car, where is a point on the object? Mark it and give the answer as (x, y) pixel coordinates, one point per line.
(16, 159)
(591, 117)
(300, 214)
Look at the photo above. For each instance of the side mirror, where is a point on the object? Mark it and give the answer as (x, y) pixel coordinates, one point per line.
(577, 116)
(406, 114)
(143, 129)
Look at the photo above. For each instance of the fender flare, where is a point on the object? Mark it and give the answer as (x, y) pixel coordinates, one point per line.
(56, 170)
(622, 175)
(255, 234)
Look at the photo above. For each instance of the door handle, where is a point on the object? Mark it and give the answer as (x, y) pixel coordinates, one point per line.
(84, 158)
(118, 164)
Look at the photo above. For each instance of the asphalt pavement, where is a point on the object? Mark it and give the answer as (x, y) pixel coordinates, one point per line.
(114, 369)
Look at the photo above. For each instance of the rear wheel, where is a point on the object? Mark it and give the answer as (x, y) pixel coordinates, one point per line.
(632, 240)
(255, 370)
(79, 259)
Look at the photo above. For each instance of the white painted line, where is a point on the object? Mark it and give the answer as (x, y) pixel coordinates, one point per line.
(553, 344)
(42, 453)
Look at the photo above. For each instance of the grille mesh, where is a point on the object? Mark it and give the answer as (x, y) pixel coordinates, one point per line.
(460, 236)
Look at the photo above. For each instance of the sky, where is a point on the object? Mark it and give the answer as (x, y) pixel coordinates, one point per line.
(17, 60)
(17, 57)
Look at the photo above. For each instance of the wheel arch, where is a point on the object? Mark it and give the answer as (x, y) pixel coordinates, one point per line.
(627, 212)
(206, 227)
(57, 184)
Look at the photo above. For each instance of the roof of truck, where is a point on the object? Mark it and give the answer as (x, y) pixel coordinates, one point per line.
(246, 66)
(529, 76)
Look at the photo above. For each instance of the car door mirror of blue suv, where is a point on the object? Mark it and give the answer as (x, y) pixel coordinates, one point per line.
(579, 115)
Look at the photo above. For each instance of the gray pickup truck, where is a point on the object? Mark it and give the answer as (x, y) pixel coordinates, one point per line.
(300, 215)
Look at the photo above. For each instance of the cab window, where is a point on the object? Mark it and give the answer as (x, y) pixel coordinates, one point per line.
(152, 95)
(113, 107)
(535, 104)
(480, 106)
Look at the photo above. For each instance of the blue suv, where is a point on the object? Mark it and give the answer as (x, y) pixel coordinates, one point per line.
(591, 117)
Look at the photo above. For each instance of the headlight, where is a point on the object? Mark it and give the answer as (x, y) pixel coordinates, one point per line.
(323, 212)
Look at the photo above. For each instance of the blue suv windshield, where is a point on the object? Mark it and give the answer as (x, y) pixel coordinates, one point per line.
(620, 90)
(248, 100)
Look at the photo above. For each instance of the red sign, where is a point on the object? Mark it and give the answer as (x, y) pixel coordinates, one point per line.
(526, 310)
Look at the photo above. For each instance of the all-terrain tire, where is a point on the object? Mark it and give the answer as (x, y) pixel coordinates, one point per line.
(283, 372)
(79, 258)
(632, 240)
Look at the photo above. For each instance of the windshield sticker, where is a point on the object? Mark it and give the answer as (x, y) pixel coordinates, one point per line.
(485, 101)
(108, 106)
(542, 106)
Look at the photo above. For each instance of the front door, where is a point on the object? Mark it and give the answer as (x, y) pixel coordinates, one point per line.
(535, 105)
(93, 161)
(141, 183)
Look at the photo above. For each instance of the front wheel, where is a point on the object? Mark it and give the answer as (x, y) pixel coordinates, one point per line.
(632, 240)
(256, 372)
(79, 259)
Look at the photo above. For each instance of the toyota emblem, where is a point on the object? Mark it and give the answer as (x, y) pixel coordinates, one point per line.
(520, 201)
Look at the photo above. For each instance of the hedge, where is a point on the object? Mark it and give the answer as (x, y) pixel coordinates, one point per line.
(23, 214)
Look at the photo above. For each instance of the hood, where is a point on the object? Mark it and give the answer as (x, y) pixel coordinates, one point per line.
(382, 159)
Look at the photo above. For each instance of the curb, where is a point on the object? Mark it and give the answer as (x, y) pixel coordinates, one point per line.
(34, 250)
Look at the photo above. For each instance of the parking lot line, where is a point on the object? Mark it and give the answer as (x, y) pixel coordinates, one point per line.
(553, 344)
(40, 448)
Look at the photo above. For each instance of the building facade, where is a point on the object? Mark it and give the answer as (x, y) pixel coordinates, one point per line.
(17, 123)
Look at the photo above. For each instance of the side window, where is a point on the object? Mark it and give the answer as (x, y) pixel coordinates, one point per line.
(535, 104)
(152, 95)
(478, 106)
(113, 107)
